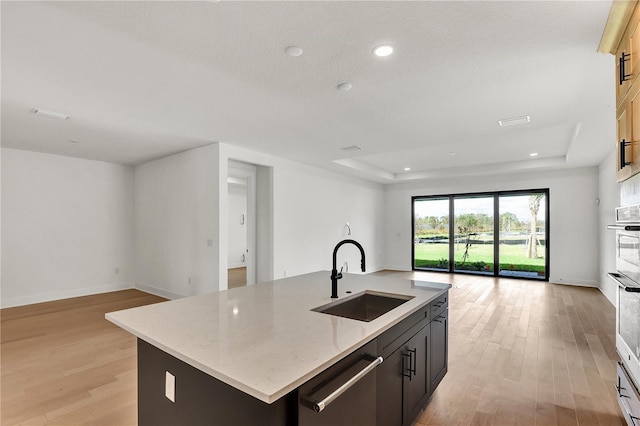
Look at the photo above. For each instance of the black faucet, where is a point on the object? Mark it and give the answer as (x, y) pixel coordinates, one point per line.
(335, 275)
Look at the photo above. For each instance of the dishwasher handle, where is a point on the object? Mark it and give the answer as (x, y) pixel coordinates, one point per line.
(318, 406)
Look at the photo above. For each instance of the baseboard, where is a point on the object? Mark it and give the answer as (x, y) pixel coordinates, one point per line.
(10, 302)
(158, 291)
(576, 282)
(238, 265)
(402, 268)
(606, 296)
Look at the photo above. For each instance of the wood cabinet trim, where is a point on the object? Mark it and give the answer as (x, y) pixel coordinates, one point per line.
(617, 21)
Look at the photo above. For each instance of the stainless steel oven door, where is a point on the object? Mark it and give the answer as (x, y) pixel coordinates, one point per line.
(628, 254)
(629, 320)
(628, 324)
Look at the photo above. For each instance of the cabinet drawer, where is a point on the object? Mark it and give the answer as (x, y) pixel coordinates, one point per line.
(628, 398)
(439, 305)
(392, 339)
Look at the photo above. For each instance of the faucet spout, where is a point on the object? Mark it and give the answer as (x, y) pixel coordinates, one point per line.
(335, 275)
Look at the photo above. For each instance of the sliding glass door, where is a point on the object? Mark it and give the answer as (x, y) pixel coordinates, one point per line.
(523, 235)
(502, 233)
(473, 234)
(431, 234)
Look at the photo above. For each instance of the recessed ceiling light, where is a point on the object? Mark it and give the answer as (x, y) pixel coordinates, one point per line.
(406, 169)
(293, 51)
(383, 50)
(452, 154)
(74, 141)
(351, 148)
(514, 121)
(533, 154)
(50, 114)
(344, 86)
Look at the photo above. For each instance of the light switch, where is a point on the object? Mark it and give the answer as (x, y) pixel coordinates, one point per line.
(170, 387)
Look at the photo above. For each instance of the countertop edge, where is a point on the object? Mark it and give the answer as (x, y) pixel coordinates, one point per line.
(271, 398)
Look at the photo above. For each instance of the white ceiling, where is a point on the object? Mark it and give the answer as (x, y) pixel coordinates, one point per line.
(142, 80)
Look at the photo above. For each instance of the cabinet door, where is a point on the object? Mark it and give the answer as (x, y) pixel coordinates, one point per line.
(415, 386)
(438, 349)
(632, 36)
(633, 111)
(389, 392)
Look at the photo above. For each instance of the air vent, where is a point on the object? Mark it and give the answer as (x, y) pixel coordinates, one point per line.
(51, 114)
(352, 148)
(514, 121)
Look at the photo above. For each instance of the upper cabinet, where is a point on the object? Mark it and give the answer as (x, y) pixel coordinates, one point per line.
(622, 38)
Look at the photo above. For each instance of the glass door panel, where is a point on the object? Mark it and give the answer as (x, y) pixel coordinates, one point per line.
(431, 234)
(473, 229)
(523, 237)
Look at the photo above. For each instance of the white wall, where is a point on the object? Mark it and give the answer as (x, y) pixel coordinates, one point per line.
(177, 219)
(574, 218)
(311, 209)
(609, 200)
(181, 202)
(237, 229)
(67, 225)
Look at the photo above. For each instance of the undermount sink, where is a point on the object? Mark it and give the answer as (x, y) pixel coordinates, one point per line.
(365, 306)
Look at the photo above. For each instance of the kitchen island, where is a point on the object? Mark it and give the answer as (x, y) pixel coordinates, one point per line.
(242, 355)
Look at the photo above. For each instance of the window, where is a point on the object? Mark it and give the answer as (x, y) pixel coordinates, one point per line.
(501, 234)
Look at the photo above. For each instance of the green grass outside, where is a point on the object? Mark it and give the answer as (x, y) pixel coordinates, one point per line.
(512, 257)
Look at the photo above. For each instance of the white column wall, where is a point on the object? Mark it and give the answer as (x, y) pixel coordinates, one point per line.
(176, 223)
(609, 200)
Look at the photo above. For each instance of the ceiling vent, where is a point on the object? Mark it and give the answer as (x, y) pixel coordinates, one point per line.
(514, 121)
(352, 148)
(51, 114)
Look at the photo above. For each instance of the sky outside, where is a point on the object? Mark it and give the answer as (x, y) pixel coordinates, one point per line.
(516, 204)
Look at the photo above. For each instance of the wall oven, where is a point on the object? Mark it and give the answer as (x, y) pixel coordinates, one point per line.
(627, 278)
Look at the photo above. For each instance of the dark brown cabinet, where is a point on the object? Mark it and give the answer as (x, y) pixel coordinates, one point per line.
(391, 380)
(415, 384)
(403, 380)
(389, 390)
(439, 348)
(415, 361)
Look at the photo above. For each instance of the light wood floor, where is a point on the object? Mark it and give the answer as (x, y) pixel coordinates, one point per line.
(63, 363)
(237, 277)
(521, 352)
(526, 353)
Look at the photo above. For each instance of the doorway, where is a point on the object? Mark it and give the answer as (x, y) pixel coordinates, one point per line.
(241, 258)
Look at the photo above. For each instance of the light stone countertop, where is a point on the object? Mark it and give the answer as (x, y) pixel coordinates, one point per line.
(264, 339)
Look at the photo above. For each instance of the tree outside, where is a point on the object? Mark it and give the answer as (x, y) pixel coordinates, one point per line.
(521, 239)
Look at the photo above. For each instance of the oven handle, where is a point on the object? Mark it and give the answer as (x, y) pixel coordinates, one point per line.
(624, 227)
(618, 279)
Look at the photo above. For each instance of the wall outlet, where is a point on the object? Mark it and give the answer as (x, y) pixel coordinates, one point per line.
(285, 273)
(170, 386)
(189, 281)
